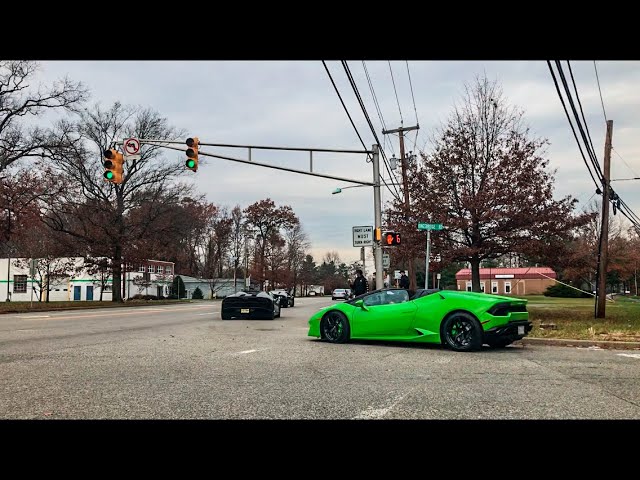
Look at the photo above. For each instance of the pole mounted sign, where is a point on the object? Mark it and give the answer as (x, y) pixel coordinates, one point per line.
(430, 226)
(362, 236)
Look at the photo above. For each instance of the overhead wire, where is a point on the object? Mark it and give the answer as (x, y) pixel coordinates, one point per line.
(373, 131)
(555, 81)
(343, 104)
(585, 139)
(396, 91)
(600, 90)
(415, 141)
(586, 125)
(377, 105)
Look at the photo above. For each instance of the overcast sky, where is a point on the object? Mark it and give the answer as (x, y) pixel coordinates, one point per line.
(293, 104)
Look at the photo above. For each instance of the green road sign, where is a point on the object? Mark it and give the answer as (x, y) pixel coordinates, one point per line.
(430, 226)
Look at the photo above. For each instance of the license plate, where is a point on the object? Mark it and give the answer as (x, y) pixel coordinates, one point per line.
(520, 329)
(246, 310)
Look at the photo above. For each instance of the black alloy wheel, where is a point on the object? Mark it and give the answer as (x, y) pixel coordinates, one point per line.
(462, 332)
(334, 327)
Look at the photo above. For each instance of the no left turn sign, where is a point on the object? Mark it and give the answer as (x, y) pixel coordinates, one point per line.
(131, 146)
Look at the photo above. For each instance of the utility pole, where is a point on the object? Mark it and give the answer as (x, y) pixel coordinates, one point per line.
(404, 161)
(601, 289)
(377, 208)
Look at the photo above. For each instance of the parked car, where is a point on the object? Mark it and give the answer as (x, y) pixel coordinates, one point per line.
(340, 293)
(287, 299)
(463, 321)
(253, 305)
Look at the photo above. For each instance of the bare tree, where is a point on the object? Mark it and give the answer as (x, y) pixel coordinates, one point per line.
(109, 217)
(297, 246)
(18, 100)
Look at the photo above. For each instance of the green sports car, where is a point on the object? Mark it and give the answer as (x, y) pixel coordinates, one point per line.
(463, 321)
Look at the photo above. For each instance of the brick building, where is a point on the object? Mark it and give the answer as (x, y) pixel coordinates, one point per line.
(509, 281)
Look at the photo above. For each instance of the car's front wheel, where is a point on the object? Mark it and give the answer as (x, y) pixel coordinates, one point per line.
(334, 327)
(462, 332)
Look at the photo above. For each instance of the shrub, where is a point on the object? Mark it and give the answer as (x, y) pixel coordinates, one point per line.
(197, 294)
(560, 290)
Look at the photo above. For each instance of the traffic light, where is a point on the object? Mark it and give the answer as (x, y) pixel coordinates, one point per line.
(113, 164)
(192, 154)
(390, 239)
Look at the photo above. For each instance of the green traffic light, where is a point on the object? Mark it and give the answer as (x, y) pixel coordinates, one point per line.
(108, 175)
(191, 163)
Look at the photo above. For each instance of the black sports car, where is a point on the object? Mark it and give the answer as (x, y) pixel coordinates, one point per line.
(251, 305)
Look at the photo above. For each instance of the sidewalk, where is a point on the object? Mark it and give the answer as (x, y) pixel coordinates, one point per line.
(565, 342)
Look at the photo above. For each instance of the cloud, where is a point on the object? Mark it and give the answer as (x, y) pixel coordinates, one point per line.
(294, 104)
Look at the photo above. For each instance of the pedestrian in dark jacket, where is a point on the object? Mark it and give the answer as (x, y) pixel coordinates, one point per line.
(404, 280)
(360, 284)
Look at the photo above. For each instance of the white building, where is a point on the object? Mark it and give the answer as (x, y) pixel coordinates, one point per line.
(70, 280)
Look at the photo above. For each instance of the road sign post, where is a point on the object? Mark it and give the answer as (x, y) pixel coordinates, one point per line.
(428, 227)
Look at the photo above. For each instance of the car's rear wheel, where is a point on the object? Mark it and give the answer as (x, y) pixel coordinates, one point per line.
(334, 327)
(462, 332)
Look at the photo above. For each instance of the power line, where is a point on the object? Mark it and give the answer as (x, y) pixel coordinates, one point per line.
(343, 105)
(412, 97)
(373, 130)
(592, 156)
(347, 112)
(377, 105)
(394, 89)
(555, 81)
(601, 101)
(586, 125)
(625, 162)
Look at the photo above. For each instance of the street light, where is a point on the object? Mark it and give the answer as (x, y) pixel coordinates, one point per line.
(339, 189)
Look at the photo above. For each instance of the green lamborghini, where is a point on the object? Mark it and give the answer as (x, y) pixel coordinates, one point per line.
(463, 321)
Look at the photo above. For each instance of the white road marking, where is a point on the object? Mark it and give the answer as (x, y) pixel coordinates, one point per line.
(632, 355)
(37, 316)
(200, 314)
(247, 351)
(375, 413)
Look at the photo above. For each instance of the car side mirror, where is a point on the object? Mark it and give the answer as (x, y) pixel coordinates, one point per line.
(360, 303)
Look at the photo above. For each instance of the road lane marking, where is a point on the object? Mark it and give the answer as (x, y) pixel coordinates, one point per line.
(632, 355)
(38, 316)
(376, 413)
(243, 352)
(94, 315)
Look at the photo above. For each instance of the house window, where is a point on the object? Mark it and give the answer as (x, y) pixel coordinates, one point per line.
(150, 269)
(168, 270)
(159, 269)
(494, 287)
(507, 287)
(141, 269)
(107, 288)
(19, 284)
(468, 286)
(482, 287)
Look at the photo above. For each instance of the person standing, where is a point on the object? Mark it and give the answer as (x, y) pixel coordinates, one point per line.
(404, 280)
(360, 284)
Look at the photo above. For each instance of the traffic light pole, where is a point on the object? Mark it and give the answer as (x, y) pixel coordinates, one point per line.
(377, 207)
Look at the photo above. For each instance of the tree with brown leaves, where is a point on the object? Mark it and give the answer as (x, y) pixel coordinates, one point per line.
(488, 183)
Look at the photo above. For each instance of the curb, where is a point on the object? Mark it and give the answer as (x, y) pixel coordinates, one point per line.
(567, 342)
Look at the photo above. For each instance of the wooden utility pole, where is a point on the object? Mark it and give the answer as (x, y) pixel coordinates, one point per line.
(601, 289)
(404, 161)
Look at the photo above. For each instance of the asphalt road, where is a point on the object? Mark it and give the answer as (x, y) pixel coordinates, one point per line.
(184, 362)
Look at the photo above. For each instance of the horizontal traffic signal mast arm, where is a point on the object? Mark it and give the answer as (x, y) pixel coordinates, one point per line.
(162, 143)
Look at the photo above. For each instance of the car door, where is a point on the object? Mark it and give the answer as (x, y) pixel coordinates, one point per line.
(387, 313)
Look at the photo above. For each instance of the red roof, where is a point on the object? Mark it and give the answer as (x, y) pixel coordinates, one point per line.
(524, 273)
